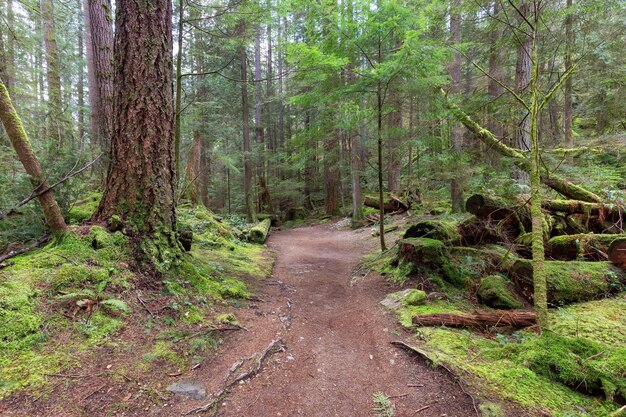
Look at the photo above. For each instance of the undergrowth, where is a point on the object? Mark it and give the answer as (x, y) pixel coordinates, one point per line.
(78, 293)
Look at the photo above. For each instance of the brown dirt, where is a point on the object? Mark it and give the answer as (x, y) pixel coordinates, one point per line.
(337, 336)
(338, 350)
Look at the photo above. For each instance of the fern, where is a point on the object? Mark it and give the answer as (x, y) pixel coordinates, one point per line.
(384, 407)
(115, 305)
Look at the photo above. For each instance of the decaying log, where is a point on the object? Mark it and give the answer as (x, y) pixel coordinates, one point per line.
(478, 319)
(570, 281)
(482, 205)
(447, 232)
(551, 180)
(391, 204)
(617, 252)
(591, 247)
(259, 232)
(421, 251)
(606, 211)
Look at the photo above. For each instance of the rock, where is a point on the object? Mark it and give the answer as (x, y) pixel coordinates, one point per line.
(189, 388)
(403, 298)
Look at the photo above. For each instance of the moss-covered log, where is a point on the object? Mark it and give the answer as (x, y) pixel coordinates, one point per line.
(391, 204)
(570, 281)
(479, 319)
(482, 205)
(617, 252)
(607, 211)
(551, 180)
(260, 232)
(445, 231)
(590, 247)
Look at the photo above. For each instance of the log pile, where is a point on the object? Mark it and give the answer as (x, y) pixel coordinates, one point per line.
(489, 256)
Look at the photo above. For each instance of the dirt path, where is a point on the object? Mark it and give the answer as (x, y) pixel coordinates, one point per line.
(337, 339)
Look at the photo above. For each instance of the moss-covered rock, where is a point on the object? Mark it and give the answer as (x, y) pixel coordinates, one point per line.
(495, 291)
(570, 281)
(408, 297)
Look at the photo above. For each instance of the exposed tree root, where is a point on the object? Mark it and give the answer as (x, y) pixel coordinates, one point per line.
(258, 360)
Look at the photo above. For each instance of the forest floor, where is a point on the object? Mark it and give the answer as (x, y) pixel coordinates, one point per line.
(336, 336)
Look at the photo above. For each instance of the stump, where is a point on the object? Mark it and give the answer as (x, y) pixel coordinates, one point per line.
(259, 233)
(617, 252)
(447, 232)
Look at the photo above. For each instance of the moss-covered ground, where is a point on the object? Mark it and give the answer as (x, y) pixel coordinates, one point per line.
(62, 303)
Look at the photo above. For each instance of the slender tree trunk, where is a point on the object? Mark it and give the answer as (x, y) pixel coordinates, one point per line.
(247, 148)
(309, 163)
(494, 90)
(331, 174)
(196, 187)
(140, 186)
(17, 135)
(9, 57)
(100, 71)
(259, 132)
(394, 142)
(456, 188)
(523, 75)
(81, 81)
(53, 75)
(567, 91)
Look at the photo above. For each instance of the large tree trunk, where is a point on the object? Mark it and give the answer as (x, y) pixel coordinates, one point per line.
(81, 80)
(7, 48)
(394, 141)
(99, 42)
(496, 74)
(21, 144)
(456, 189)
(140, 185)
(56, 128)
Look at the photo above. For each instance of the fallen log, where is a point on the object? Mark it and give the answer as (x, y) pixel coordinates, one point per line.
(564, 187)
(447, 232)
(606, 211)
(590, 247)
(482, 205)
(259, 232)
(422, 251)
(391, 204)
(617, 252)
(478, 319)
(570, 281)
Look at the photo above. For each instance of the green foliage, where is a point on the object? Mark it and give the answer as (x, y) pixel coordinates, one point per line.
(383, 405)
(494, 291)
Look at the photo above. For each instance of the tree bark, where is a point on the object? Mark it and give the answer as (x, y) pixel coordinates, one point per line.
(259, 130)
(479, 319)
(81, 80)
(19, 139)
(99, 47)
(617, 253)
(178, 107)
(247, 148)
(394, 141)
(523, 75)
(567, 90)
(456, 189)
(56, 128)
(140, 186)
(331, 174)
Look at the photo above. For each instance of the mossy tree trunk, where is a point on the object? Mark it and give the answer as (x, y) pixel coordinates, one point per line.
(140, 185)
(17, 135)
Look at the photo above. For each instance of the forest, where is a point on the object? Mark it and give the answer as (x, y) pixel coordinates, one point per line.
(319, 208)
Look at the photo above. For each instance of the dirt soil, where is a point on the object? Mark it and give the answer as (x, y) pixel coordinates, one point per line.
(337, 350)
(337, 337)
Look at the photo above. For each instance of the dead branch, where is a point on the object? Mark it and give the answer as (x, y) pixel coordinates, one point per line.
(274, 347)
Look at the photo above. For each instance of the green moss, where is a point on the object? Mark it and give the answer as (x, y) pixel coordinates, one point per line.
(192, 315)
(84, 209)
(579, 363)
(572, 281)
(415, 298)
(19, 320)
(164, 354)
(227, 318)
(100, 327)
(422, 250)
(443, 230)
(602, 320)
(494, 291)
